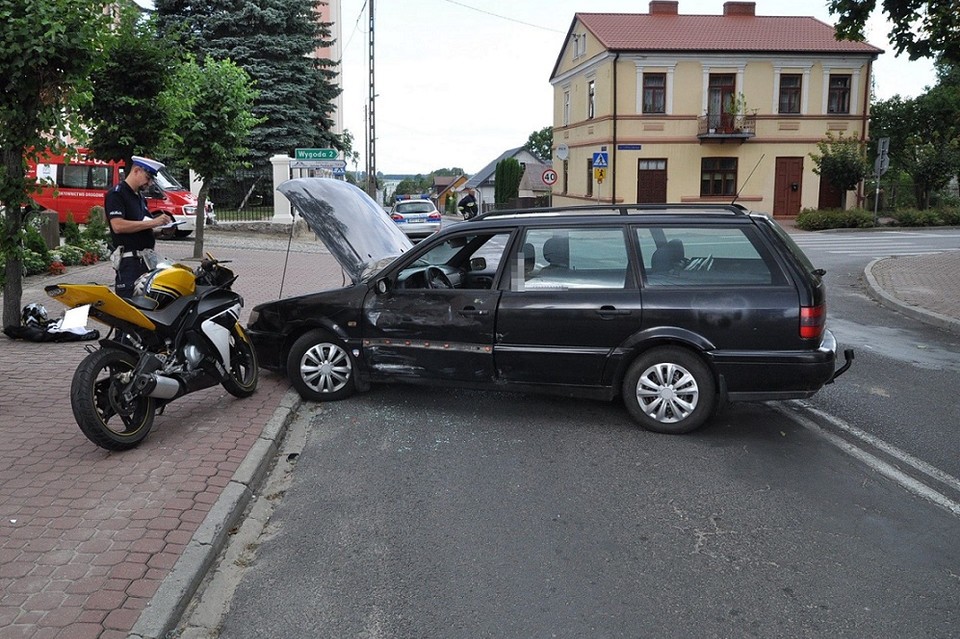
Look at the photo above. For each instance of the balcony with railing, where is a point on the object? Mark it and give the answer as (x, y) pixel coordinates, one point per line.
(721, 127)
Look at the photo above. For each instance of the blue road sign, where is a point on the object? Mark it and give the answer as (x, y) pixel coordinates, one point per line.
(600, 160)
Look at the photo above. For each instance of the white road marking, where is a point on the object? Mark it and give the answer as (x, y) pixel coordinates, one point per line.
(888, 470)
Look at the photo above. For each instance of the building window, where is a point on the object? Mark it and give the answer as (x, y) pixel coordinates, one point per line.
(790, 84)
(566, 177)
(718, 176)
(579, 45)
(591, 98)
(590, 177)
(654, 92)
(839, 97)
(566, 108)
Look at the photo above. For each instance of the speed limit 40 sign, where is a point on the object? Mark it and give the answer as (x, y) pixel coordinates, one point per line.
(549, 177)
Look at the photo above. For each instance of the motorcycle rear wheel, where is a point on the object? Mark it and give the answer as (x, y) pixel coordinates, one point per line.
(244, 369)
(99, 409)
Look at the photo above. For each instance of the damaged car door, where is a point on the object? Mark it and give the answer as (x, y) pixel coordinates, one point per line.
(433, 316)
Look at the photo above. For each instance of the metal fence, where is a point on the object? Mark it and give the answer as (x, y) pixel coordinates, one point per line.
(245, 196)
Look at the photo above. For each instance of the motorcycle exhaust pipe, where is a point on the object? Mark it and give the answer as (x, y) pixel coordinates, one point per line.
(158, 386)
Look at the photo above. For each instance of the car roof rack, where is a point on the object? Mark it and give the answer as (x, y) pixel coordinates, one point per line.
(621, 209)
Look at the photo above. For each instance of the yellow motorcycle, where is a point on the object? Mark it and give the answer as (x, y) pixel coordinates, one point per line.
(179, 333)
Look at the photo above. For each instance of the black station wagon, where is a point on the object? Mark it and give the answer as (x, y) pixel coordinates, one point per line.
(674, 308)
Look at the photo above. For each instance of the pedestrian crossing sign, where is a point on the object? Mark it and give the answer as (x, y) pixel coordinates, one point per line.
(600, 160)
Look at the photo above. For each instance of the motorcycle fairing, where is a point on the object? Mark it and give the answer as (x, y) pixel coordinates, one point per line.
(103, 302)
(355, 229)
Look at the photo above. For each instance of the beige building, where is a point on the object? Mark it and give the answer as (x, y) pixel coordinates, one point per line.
(701, 108)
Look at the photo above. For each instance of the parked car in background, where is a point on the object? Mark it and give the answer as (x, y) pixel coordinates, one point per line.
(416, 216)
(676, 309)
(73, 185)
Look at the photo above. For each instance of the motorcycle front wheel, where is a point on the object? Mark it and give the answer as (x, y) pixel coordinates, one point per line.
(244, 369)
(98, 406)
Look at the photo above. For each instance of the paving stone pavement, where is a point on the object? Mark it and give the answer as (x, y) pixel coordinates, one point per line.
(88, 537)
(101, 545)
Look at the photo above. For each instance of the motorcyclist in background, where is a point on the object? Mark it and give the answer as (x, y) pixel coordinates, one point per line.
(468, 205)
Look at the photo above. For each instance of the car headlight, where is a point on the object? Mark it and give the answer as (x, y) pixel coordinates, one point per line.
(189, 210)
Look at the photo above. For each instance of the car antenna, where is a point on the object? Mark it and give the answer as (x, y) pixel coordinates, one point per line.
(734, 201)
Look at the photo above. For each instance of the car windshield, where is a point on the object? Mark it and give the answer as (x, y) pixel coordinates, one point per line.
(167, 182)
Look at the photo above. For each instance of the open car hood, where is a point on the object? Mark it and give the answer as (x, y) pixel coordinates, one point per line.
(357, 232)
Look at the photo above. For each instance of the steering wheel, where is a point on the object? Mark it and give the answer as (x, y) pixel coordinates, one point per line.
(437, 278)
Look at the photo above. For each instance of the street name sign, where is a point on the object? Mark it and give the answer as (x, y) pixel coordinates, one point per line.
(315, 154)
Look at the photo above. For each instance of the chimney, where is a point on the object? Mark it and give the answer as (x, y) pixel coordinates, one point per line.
(664, 7)
(739, 8)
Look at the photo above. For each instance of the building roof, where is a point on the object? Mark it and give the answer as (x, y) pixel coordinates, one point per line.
(486, 173)
(532, 179)
(736, 31)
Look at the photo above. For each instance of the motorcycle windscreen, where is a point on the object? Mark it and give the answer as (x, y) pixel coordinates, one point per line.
(356, 231)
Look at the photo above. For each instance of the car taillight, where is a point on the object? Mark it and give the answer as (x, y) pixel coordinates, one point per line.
(434, 217)
(396, 217)
(812, 321)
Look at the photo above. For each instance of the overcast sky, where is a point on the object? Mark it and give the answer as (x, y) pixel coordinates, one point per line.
(459, 82)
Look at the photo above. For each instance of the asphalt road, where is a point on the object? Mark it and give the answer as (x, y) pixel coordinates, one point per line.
(421, 513)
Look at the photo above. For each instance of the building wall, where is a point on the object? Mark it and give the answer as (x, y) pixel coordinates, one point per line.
(673, 136)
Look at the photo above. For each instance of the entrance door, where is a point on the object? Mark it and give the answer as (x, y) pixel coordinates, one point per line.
(830, 196)
(652, 182)
(788, 186)
(720, 101)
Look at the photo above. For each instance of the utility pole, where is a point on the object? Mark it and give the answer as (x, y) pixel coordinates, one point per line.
(371, 122)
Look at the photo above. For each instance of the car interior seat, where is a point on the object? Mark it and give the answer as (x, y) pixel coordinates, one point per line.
(667, 257)
(529, 258)
(556, 251)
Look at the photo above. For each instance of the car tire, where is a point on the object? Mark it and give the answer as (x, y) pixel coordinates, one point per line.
(321, 367)
(669, 390)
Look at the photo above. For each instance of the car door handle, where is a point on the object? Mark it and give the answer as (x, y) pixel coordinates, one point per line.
(609, 312)
(470, 310)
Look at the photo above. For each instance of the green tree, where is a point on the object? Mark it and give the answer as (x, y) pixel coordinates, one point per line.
(540, 143)
(841, 161)
(921, 28)
(272, 41)
(126, 114)
(211, 108)
(48, 51)
(924, 136)
(507, 175)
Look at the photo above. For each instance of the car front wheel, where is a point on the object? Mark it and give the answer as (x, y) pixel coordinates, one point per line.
(669, 390)
(321, 368)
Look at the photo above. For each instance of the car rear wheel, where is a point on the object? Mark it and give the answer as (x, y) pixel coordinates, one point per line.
(669, 390)
(321, 368)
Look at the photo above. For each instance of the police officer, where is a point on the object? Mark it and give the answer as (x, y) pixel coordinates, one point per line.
(131, 227)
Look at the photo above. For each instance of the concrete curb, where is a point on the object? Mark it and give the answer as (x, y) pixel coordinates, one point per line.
(175, 592)
(914, 312)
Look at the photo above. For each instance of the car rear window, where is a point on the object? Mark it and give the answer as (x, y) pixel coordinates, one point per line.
(413, 207)
(705, 256)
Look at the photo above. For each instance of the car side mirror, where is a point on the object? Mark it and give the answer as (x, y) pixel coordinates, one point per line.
(154, 192)
(478, 264)
(382, 286)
